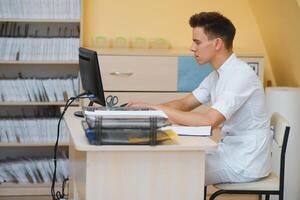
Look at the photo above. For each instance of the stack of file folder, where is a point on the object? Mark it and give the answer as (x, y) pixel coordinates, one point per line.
(40, 9)
(31, 130)
(130, 126)
(33, 169)
(39, 49)
(38, 89)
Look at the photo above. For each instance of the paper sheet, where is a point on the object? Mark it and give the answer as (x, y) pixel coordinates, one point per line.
(190, 130)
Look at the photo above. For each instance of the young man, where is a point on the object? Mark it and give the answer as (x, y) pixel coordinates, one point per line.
(237, 100)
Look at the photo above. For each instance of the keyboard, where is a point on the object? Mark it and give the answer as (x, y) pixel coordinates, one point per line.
(117, 108)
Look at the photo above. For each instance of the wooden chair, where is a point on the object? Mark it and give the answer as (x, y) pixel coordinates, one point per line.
(272, 184)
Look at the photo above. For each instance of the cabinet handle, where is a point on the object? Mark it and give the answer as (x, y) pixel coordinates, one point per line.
(121, 73)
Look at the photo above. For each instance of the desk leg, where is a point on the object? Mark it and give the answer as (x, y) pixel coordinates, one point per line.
(77, 183)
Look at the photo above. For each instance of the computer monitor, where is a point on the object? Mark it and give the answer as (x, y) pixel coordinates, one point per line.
(90, 78)
(91, 75)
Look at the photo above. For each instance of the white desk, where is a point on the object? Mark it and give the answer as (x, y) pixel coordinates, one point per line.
(173, 171)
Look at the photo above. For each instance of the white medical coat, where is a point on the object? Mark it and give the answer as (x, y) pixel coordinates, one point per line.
(236, 92)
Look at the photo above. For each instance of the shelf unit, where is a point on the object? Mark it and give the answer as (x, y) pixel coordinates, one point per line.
(49, 29)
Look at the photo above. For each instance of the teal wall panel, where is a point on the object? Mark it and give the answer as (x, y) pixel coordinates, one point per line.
(190, 73)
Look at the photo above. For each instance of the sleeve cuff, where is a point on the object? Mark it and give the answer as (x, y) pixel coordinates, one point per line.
(201, 95)
(223, 109)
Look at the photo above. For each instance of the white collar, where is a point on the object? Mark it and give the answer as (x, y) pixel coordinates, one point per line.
(226, 63)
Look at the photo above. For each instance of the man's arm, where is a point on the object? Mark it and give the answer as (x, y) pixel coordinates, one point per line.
(186, 103)
(178, 112)
(210, 118)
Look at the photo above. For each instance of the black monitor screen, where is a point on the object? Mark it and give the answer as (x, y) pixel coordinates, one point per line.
(90, 75)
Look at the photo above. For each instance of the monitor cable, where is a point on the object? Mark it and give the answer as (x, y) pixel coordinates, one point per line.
(57, 195)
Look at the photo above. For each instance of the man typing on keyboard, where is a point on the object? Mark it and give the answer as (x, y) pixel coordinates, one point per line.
(237, 100)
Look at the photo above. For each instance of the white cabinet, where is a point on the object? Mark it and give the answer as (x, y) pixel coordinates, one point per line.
(156, 77)
(138, 73)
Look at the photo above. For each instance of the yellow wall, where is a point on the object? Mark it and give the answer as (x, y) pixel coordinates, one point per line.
(279, 23)
(168, 19)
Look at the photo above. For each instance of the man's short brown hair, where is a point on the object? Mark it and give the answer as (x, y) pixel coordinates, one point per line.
(215, 25)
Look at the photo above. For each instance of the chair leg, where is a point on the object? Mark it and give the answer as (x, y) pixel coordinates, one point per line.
(281, 195)
(205, 192)
(260, 196)
(217, 193)
(267, 197)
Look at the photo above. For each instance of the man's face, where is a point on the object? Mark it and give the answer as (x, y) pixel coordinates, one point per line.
(203, 48)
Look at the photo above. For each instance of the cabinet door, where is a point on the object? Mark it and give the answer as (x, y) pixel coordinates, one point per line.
(138, 73)
(191, 74)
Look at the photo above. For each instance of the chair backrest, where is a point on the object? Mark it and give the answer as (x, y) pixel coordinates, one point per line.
(279, 124)
(281, 130)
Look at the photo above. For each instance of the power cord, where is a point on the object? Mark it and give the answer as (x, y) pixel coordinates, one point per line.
(62, 195)
(58, 195)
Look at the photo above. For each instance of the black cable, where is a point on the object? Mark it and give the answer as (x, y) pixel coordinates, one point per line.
(68, 103)
(61, 195)
(57, 195)
(63, 186)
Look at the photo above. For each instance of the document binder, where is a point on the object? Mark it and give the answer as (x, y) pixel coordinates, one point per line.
(99, 132)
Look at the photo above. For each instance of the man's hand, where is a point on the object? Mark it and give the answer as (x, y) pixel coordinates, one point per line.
(140, 104)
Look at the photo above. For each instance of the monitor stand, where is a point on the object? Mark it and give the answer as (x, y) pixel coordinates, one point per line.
(80, 112)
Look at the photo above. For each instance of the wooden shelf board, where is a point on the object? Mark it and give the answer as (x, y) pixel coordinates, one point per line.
(55, 62)
(22, 103)
(40, 20)
(38, 144)
(15, 189)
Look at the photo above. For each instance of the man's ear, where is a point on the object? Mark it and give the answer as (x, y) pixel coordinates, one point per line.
(218, 43)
